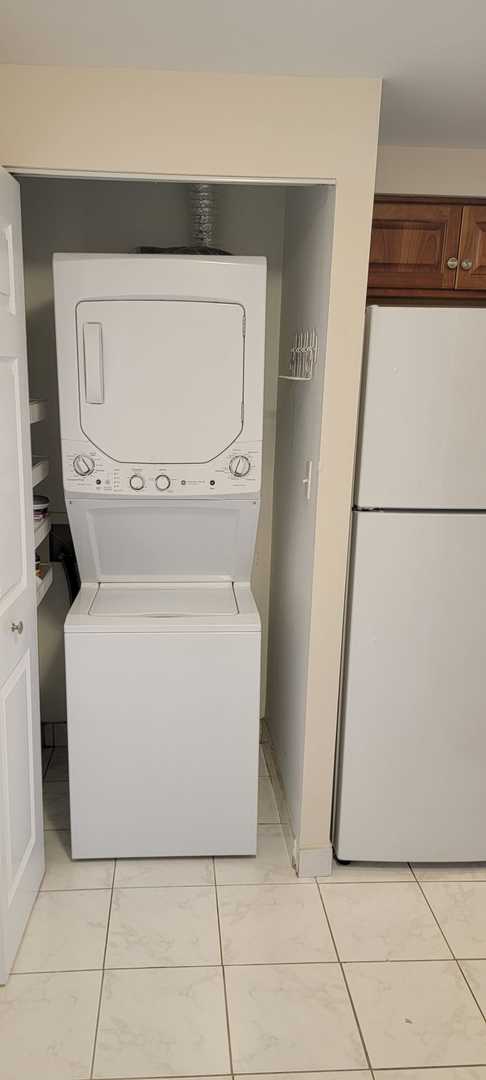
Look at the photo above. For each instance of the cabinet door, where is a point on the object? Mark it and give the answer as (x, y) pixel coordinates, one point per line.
(471, 273)
(411, 244)
(21, 835)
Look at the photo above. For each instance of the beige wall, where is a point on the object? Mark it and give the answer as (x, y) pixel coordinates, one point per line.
(180, 124)
(306, 271)
(431, 170)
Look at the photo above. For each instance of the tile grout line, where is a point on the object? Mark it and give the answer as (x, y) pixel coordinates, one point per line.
(454, 958)
(283, 963)
(343, 973)
(311, 1072)
(102, 981)
(228, 1032)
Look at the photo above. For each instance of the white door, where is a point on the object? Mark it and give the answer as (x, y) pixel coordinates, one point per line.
(21, 833)
(160, 380)
(423, 441)
(413, 750)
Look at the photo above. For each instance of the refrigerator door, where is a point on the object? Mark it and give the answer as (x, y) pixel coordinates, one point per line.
(423, 432)
(412, 766)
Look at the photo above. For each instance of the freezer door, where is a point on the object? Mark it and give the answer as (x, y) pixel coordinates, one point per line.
(423, 430)
(412, 766)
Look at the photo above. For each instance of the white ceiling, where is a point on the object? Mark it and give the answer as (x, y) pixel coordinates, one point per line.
(431, 53)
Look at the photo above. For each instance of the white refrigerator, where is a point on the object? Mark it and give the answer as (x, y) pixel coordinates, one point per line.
(411, 772)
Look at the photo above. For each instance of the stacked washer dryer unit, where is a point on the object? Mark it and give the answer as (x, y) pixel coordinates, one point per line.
(160, 364)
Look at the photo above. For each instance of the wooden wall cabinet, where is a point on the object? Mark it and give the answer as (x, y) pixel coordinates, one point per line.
(429, 249)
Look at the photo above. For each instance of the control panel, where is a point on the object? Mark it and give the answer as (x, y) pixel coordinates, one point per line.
(87, 469)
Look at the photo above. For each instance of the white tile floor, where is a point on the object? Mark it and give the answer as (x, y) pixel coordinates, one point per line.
(198, 967)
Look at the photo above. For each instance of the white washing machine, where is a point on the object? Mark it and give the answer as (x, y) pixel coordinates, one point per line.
(160, 364)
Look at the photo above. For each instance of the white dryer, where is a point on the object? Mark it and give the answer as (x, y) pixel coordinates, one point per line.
(160, 364)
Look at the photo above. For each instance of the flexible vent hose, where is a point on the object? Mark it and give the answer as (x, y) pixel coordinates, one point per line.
(203, 215)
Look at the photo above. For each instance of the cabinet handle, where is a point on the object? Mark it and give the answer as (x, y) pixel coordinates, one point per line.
(452, 263)
(17, 627)
(466, 264)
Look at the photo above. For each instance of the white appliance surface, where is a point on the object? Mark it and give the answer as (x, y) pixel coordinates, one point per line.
(160, 365)
(163, 739)
(175, 367)
(413, 741)
(88, 617)
(169, 600)
(423, 431)
(160, 362)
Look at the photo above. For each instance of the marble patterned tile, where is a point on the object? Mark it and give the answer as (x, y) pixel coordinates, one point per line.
(162, 1022)
(271, 863)
(291, 1017)
(273, 924)
(267, 806)
(133, 873)
(47, 1025)
(358, 872)
(342, 1074)
(56, 805)
(475, 972)
(164, 927)
(382, 921)
(450, 871)
(417, 1014)
(63, 872)
(58, 765)
(460, 908)
(66, 932)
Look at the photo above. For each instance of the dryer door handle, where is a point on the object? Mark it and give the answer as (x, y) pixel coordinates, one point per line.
(93, 363)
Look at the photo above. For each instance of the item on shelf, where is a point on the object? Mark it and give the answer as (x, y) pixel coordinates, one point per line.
(41, 507)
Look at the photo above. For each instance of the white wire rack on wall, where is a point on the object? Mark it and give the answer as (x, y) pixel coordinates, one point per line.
(303, 356)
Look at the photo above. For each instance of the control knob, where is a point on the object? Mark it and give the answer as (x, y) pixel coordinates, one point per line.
(162, 482)
(136, 482)
(83, 465)
(239, 465)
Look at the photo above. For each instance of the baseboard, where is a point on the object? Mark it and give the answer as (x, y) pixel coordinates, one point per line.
(315, 862)
(309, 862)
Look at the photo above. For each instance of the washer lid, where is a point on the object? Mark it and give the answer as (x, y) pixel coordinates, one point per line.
(118, 540)
(165, 601)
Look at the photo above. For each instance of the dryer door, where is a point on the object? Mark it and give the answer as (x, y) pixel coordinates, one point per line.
(160, 380)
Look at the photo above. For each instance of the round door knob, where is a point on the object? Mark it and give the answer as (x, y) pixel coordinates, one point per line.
(239, 465)
(83, 465)
(452, 263)
(466, 264)
(137, 482)
(17, 627)
(162, 482)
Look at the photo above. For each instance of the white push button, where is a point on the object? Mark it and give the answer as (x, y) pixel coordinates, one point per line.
(137, 482)
(162, 482)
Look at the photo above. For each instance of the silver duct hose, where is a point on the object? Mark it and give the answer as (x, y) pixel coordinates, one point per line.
(203, 215)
